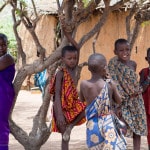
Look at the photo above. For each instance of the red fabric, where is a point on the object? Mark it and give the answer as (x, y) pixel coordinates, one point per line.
(71, 104)
(148, 127)
(146, 97)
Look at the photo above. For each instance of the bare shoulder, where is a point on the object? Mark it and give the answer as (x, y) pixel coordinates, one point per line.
(7, 58)
(10, 58)
(5, 61)
(83, 83)
(133, 63)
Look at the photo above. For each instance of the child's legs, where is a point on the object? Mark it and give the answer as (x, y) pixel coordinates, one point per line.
(64, 144)
(136, 141)
(66, 135)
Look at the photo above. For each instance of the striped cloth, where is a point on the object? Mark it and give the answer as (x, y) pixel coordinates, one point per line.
(71, 105)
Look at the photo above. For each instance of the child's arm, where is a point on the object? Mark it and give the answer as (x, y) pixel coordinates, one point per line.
(81, 91)
(115, 93)
(117, 98)
(132, 65)
(60, 119)
(144, 83)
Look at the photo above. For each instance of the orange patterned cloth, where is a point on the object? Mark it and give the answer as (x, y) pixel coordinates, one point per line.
(71, 105)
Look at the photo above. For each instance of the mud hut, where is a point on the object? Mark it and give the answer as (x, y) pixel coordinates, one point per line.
(113, 29)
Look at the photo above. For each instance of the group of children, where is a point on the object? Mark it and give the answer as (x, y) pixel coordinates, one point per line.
(113, 93)
(112, 90)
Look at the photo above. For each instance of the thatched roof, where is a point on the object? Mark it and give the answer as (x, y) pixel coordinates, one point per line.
(44, 6)
(50, 6)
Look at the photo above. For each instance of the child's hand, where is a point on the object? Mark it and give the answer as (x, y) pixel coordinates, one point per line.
(107, 76)
(119, 113)
(113, 85)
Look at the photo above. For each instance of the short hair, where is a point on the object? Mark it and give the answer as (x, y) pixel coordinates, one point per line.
(120, 41)
(148, 51)
(68, 48)
(4, 37)
(94, 62)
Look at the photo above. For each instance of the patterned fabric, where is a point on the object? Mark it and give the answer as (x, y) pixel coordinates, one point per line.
(6, 99)
(146, 97)
(101, 132)
(71, 104)
(133, 110)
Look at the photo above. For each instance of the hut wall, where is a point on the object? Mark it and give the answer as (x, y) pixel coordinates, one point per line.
(113, 29)
(45, 31)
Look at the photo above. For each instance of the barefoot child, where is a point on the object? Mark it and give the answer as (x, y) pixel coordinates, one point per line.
(98, 93)
(145, 83)
(68, 110)
(122, 70)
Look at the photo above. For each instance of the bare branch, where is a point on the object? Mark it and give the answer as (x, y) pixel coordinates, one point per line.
(135, 33)
(34, 8)
(98, 26)
(3, 6)
(19, 43)
(128, 19)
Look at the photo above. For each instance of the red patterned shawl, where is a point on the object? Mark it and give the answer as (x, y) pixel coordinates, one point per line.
(71, 105)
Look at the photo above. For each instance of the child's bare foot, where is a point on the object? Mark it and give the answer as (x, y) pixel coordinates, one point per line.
(66, 135)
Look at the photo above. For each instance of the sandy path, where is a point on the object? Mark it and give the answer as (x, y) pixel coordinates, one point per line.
(27, 106)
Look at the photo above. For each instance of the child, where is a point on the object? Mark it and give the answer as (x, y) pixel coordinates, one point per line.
(122, 70)
(68, 110)
(145, 83)
(98, 93)
(7, 72)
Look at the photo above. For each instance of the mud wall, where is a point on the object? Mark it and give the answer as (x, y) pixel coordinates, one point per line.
(113, 29)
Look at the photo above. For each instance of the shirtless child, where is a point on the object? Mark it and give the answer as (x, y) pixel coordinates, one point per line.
(98, 93)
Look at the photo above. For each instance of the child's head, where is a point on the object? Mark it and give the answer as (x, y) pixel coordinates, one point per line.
(70, 56)
(148, 56)
(122, 49)
(97, 64)
(3, 44)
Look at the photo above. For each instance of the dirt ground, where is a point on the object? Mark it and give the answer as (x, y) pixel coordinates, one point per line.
(25, 109)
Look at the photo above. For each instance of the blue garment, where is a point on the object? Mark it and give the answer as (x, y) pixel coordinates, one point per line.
(40, 80)
(101, 132)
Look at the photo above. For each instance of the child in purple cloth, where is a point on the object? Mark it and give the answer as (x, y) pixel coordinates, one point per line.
(7, 72)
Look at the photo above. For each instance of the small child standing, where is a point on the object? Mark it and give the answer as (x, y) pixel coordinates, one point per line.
(122, 70)
(68, 110)
(145, 83)
(98, 93)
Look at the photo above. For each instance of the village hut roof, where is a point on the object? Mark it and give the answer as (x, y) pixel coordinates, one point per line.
(50, 7)
(44, 6)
